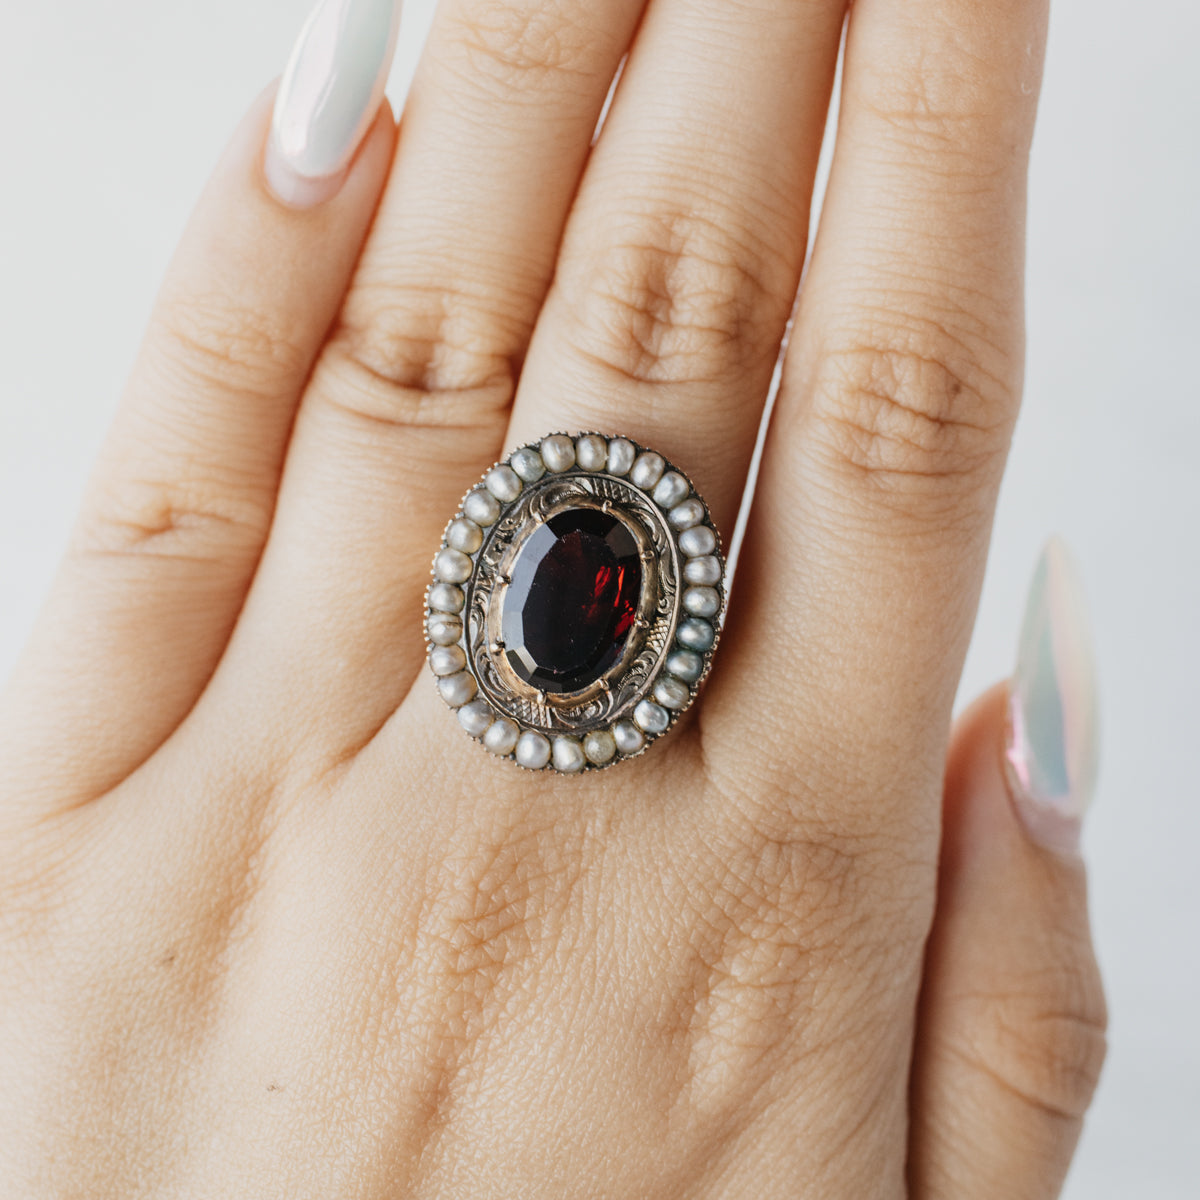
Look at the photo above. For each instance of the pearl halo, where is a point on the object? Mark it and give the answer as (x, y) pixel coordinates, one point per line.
(669, 649)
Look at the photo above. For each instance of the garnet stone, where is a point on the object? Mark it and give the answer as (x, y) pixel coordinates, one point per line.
(572, 600)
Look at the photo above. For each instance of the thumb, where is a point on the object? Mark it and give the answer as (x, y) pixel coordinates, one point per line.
(1011, 1029)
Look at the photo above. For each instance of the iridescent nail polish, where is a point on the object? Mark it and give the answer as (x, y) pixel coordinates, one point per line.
(1052, 738)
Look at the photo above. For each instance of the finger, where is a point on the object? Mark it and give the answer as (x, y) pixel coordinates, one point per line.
(1011, 1030)
(174, 521)
(410, 399)
(866, 546)
(682, 258)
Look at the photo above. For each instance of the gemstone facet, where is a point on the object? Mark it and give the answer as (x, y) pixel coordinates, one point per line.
(572, 600)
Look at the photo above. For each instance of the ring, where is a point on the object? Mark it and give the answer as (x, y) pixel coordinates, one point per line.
(576, 603)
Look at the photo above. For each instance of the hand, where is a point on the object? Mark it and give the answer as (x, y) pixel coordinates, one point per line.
(272, 926)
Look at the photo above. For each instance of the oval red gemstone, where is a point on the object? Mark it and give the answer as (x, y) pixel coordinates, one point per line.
(572, 600)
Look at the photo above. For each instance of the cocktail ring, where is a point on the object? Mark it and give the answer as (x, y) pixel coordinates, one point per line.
(576, 602)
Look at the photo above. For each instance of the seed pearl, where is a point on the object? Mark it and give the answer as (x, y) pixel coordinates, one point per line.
(446, 598)
(653, 718)
(696, 634)
(687, 514)
(481, 507)
(452, 566)
(533, 750)
(647, 470)
(501, 737)
(672, 693)
(600, 747)
(443, 630)
(621, 454)
(503, 482)
(629, 738)
(671, 489)
(558, 453)
(685, 664)
(697, 541)
(528, 464)
(445, 660)
(704, 571)
(457, 689)
(568, 755)
(591, 452)
(475, 717)
(702, 601)
(464, 535)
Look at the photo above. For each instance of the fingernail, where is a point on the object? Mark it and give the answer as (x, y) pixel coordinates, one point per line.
(328, 98)
(1052, 739)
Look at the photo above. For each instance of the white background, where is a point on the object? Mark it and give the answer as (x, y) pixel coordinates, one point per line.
(114, 113)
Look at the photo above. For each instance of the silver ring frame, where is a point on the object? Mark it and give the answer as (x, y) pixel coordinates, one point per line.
(668, 652)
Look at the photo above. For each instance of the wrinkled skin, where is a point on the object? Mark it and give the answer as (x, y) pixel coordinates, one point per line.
(270, 925)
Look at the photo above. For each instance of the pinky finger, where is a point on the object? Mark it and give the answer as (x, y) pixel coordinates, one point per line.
(179, 507)
(1011, 1034)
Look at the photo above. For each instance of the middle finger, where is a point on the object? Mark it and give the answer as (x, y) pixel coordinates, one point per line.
(683, 253)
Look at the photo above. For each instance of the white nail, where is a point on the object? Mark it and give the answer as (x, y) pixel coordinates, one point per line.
(329, 96)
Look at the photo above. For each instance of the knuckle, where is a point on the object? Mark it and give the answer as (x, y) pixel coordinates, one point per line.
(763, 877)
(918, 99)
(415, 360)
(936, 95)
(911, 410)
(233, 349)
(674, 297)
(507, 47)
(499, 897)
(780, 881)
(203, 520)
(787, 947)
(211, 508)
(1042, 1040)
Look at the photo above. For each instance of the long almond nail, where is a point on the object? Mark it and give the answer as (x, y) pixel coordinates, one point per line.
(329, 96)
(1052, 742)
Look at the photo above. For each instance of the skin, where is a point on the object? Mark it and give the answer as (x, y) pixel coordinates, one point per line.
(271, 926)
